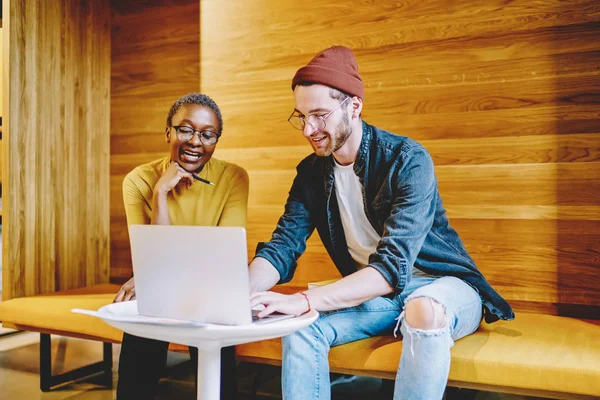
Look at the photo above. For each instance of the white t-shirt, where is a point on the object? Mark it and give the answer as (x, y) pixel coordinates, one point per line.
(361, 237)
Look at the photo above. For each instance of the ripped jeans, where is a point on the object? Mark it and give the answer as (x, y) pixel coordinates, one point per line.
(425, 360)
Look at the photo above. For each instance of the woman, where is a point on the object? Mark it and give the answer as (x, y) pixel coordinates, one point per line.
(187, 187)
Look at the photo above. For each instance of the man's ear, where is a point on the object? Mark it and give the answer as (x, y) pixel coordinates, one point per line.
(167, 135)
(356, 106)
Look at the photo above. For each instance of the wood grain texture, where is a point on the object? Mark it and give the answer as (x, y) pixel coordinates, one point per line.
(504, 95)
(155, 59)
(55, 146)
(1, 73)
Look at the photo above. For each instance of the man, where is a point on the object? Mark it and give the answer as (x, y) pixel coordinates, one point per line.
(373, 198)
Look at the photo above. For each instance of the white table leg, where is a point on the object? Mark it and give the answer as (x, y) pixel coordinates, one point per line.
(209, 374)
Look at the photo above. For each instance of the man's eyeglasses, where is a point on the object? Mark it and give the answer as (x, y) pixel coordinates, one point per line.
(207, 137)
(319, 122)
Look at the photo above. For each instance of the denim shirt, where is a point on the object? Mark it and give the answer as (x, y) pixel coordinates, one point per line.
(402, 203)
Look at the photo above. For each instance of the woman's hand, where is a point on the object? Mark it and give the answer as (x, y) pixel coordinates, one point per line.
(172, 176)
(127, 292)
(293, 304)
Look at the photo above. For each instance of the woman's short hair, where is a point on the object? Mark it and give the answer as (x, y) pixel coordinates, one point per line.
(195, 98)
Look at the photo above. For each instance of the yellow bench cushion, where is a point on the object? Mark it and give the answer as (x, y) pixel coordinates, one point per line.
(52, 313)
(533, 352)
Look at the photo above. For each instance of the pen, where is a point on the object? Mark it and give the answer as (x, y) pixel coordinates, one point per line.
(196, 177)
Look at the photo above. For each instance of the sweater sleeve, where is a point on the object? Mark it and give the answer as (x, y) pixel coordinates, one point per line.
(136, 206)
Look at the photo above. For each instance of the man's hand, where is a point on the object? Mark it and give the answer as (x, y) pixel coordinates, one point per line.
(293, 304)
(126, 293)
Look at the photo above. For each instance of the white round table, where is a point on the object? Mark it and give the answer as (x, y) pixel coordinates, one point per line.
(208, 338)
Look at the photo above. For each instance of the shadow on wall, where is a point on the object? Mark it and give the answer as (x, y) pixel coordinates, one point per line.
(577, 99)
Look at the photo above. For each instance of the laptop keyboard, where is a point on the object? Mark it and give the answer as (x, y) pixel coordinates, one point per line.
(268, 319)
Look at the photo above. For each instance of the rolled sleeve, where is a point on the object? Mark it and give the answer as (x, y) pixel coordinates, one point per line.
(135, 194)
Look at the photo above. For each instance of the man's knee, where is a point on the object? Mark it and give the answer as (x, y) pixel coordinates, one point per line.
(425, 313)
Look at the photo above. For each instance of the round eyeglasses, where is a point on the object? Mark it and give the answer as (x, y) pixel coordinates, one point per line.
(318, 122)
(207, 137)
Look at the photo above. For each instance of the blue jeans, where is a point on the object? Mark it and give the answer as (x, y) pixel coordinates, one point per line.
(425, 361)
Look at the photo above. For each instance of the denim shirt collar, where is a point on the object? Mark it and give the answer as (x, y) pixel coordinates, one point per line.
(362, 159)
(363, 150)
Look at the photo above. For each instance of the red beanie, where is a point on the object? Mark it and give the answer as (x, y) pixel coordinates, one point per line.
(335, 67)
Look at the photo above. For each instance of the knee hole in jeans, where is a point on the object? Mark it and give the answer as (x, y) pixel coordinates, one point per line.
(425, 313)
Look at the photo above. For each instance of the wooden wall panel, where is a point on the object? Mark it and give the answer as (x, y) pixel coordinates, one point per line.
(56, 143)
(503, 94)
(1, 72)
(155, 59)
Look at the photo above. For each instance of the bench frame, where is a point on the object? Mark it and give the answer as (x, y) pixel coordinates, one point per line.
(49, 381)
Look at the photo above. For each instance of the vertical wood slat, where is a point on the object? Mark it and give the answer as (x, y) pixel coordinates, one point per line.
(56, 141)
(4, 92)
(98, 259)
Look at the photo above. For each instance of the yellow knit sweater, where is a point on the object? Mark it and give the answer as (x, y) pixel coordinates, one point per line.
(224, 204)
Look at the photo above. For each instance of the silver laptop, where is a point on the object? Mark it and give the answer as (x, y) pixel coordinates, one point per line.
(193, 273)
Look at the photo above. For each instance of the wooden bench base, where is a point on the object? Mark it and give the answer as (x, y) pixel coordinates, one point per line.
(49, 381)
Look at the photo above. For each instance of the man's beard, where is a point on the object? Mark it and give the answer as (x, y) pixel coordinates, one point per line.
(344, 130)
